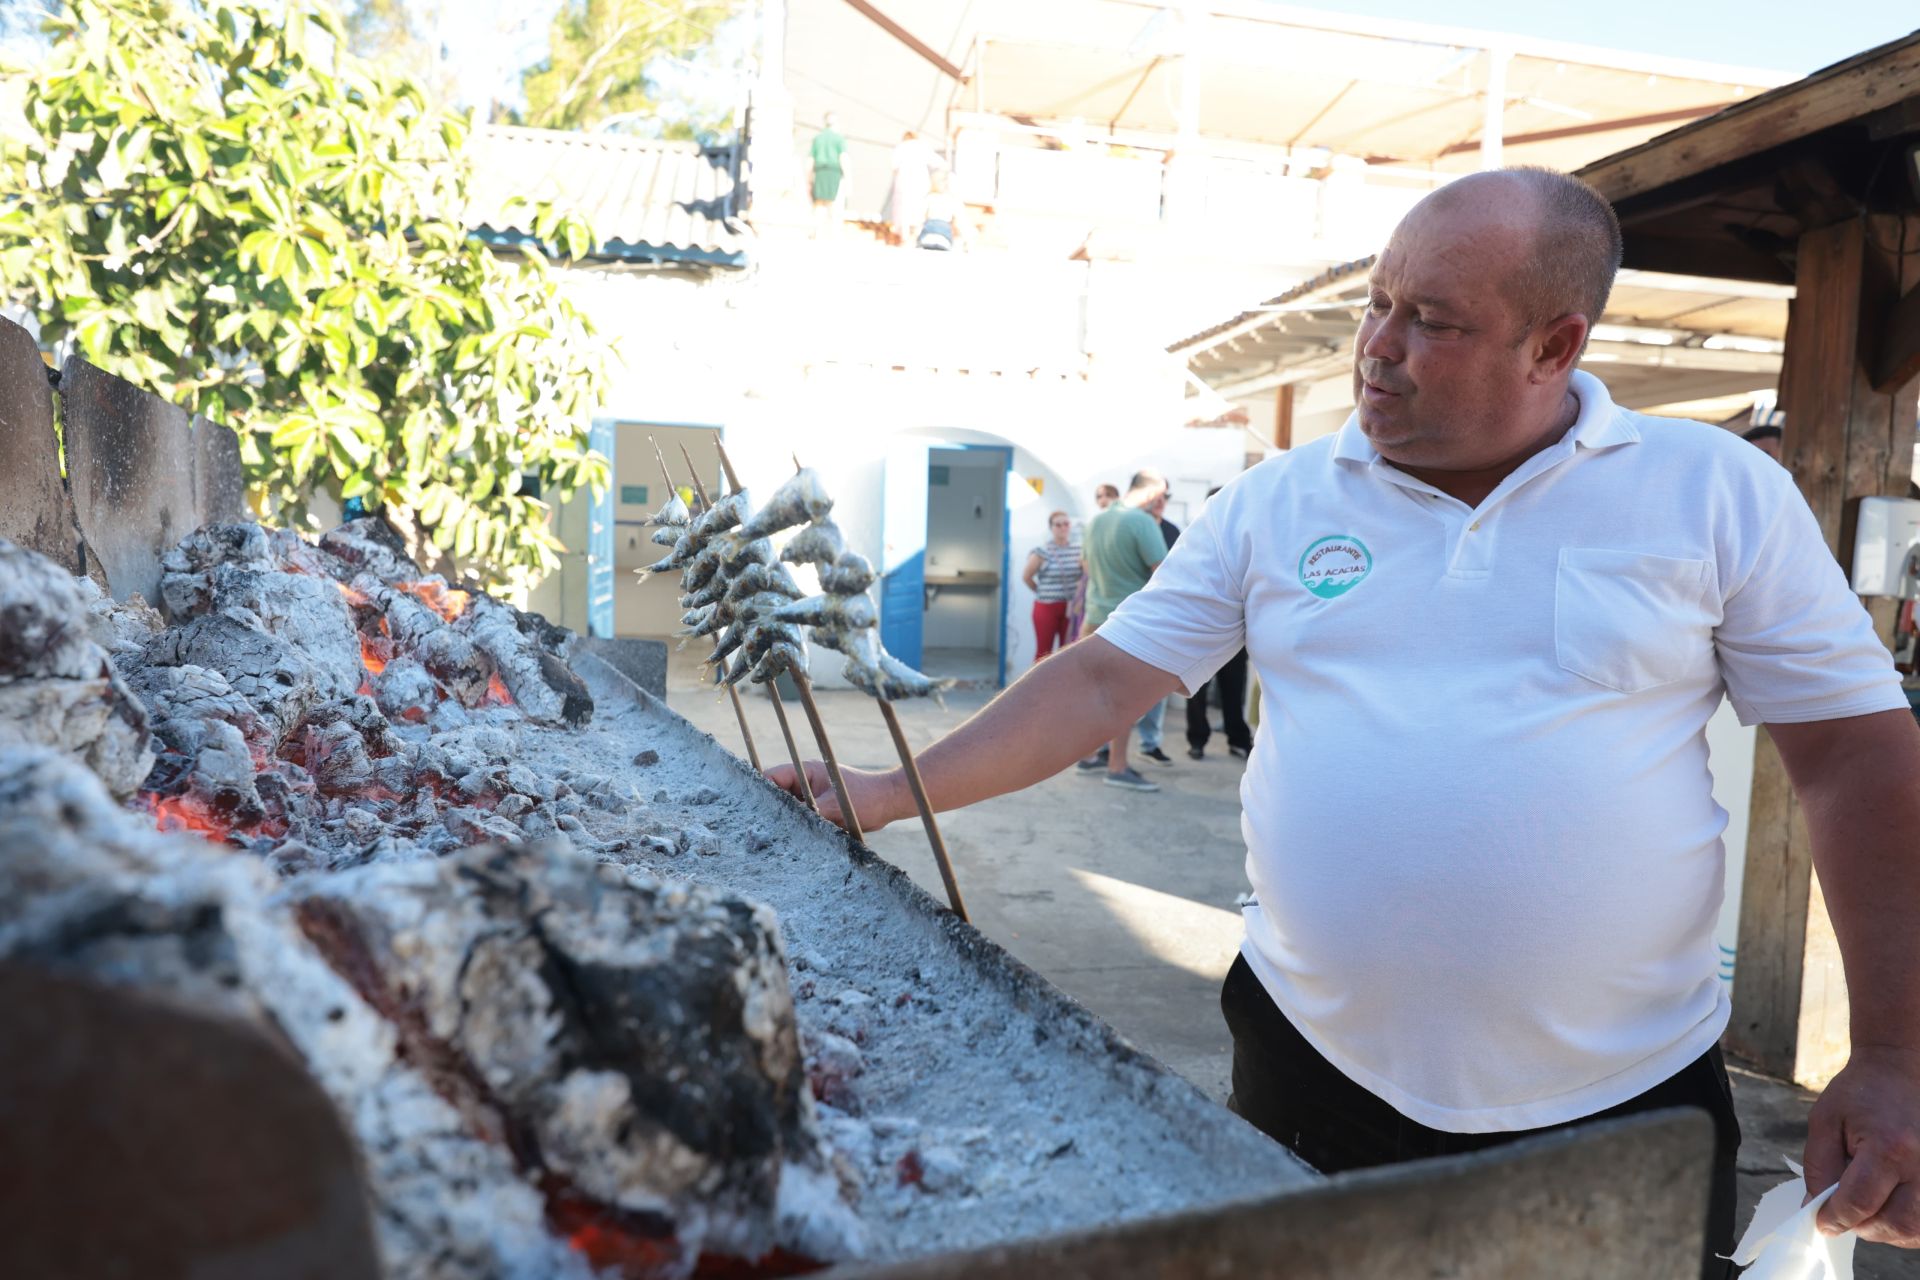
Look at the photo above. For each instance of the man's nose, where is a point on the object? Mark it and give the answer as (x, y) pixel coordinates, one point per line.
(1381, 339)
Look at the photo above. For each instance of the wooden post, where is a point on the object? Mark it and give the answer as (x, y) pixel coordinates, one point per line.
(1283, 416)
(1843, 441)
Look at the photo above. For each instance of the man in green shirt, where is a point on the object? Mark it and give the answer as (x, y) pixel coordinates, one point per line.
(1123, 547)
(829, 168)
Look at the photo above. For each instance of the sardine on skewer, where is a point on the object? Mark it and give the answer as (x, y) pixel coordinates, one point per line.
(685, 548)
(700, 570)
(759, 608)
(799, 500)
(666, 535)
(737, 552)
(847, 613)
(819, 543)
(849, 575)
(891, 678)
(781, 657)
(723, 515)
(673, 515)
(758, 578)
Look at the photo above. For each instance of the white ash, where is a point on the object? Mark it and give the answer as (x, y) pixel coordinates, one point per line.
(511, 1035)
(58, 687)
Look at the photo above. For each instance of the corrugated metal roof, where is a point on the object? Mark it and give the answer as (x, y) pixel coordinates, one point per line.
(648, 201)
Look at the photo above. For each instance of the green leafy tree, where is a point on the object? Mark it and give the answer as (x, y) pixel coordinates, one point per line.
(398, 36)
(599, 53)
(227, 206)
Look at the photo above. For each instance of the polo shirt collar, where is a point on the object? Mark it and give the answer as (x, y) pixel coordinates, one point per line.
(1601, 424)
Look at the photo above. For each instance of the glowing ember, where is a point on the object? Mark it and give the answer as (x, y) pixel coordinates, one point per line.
(354, 597)
(439, 597)
(375, 652)
(497, 695)
(181, 813)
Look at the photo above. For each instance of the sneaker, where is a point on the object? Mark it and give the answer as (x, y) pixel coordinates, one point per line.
(1096, 761)
(1196, 753)
(1131, 780)
(1156, 755)
(1239, 753)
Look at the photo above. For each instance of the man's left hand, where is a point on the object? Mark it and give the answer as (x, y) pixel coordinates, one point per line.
(1864, 1133)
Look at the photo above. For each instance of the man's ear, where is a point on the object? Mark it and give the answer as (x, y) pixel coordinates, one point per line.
(1557, 346)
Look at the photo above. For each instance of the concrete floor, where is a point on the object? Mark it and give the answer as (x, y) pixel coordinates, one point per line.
(1126, 901)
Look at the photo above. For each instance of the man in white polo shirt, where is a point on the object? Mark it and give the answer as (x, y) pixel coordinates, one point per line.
(1487, 864)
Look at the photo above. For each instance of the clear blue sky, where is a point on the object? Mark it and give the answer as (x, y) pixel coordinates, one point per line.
(1785, 35)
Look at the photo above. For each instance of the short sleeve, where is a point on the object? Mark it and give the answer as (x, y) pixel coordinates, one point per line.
(1794, 643)
(1191, 616)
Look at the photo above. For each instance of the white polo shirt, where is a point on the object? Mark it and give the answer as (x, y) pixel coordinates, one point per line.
(1480, 827)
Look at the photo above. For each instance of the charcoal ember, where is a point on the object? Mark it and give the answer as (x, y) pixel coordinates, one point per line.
(833, 1064)
(336, 755)
(475, 826)
(58, 688)
(301, 612)
(277, 679)
(186, 581)
(122, 628)
(452, 659)
(88, 889)
(539, 824)
(629, 1040)
(405, 692)
(528, 662)
(369, 545)
(186, 702)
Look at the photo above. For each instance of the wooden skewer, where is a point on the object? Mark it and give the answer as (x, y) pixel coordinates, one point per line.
(934, 837)
(739, 711)
(850, 819)
(793, 748)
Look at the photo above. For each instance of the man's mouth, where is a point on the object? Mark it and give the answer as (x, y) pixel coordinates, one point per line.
(1375, 394)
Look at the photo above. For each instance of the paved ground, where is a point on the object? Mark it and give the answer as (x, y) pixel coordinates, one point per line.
(1126, 901)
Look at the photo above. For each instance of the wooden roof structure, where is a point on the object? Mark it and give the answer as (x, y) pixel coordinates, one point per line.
(1816, 184)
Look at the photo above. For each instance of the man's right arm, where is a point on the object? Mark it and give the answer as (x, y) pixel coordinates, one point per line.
(1057, 713)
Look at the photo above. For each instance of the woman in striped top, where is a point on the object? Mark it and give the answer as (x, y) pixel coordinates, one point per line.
(1052, 573)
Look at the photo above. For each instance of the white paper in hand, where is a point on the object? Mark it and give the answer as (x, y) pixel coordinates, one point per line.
(1782, 1242)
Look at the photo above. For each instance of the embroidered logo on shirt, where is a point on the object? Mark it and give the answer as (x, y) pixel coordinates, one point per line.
(1334, 566)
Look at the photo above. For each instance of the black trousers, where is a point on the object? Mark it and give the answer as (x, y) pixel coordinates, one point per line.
(1230, 682)
(1282, 1086)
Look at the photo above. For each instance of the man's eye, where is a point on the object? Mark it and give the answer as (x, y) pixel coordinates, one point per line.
(1378, 306)
(1432, 325)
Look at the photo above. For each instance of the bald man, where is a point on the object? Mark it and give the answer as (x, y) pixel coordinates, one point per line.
(1487, 863)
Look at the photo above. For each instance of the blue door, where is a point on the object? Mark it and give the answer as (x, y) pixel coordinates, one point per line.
(600, 539)
(903, 549)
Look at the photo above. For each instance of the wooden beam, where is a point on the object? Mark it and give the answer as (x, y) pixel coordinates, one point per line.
(1721, 258)
(1842, 93)
(908, 39)
(1898, 361)
(1844, 440)
(1595, 126)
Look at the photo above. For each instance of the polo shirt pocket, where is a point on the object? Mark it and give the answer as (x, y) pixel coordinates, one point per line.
(1627, 620)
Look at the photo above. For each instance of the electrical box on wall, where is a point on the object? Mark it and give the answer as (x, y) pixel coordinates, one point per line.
(1886, 548)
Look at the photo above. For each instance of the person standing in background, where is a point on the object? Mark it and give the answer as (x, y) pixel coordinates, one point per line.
(829, 159)
(1230, 683)
(1123, 548)
(913, 162)
(1152, 725)
(1103, 497)
(1052, 574)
